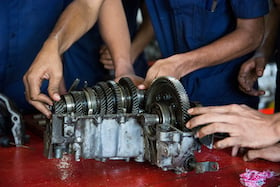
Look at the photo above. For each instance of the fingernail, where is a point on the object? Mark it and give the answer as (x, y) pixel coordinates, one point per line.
(188, 125)
(56, 97)
(190, 110)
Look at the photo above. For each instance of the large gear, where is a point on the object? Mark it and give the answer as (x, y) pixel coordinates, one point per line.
(167, 97)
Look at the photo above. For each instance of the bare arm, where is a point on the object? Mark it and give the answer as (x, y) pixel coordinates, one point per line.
(112, 18)
(245, 38)
(251, 70)
(76, 20)
(142, 38)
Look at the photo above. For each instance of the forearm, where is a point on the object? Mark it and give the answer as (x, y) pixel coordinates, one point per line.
(271, 29)
(114, 30)
(244, 39)
(75, 21)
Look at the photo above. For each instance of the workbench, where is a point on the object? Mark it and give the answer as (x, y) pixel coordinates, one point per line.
(27, 167)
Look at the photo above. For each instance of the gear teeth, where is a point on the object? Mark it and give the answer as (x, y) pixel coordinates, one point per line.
(79, 100)
(118, 104)
(101, 100)
(109, 97)
(59, 107)
(170, 91)
(131, 91)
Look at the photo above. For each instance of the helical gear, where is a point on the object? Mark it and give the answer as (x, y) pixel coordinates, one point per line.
(166, 97)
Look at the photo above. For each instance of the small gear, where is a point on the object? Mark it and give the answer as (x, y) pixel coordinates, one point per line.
(109, 97)
(118, 104)
(101, 100)
(131, 94)
(80, 102)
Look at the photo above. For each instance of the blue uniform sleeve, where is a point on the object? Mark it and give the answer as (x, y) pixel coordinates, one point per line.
(249, 8)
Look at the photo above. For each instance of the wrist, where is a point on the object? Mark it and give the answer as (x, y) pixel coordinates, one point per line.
(123, 67)
(51, 44)
(184, 63)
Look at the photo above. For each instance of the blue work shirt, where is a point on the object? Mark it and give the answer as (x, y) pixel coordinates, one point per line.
(184, 25)
(25, 25)
(131, 10)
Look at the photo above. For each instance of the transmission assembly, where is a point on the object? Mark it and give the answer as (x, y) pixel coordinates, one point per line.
(118, 121)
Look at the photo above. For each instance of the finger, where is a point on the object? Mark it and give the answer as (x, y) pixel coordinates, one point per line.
(42, 108)
(41, 98)
(32, 91)
(102, 49)
(253, 154)
(26, 87)
(214, 128)
(260, 66)
(106, 56)
(270, 153)
(109, 67)
(53, 88)
(227, 142)
(211, 117)
(235, 150)
(252, 92)
(213, 109)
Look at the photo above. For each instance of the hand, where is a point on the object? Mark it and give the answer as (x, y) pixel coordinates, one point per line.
(162, 67)
(271, 153)
(46, 66)
(249, 72)
(246, 127)
(135, 79)
(106, 58)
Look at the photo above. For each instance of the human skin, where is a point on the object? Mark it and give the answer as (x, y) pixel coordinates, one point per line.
(217, 52)
(75, 21)
(252, 69)
(247, 127)
(142, 38)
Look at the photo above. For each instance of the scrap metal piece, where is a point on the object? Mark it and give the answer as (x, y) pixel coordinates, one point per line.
(17, 127)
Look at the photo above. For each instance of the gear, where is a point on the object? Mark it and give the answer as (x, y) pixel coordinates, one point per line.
(101, 100)
(131, 94)
(168, 91)
(80, 102)
(117, 96)
(109, 97)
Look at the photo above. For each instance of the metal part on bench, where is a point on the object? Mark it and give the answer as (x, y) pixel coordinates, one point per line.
(15, 124)
(118, 121)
